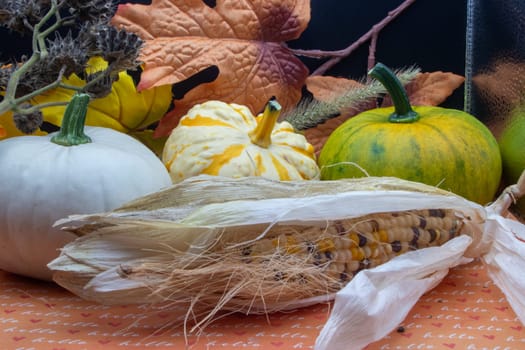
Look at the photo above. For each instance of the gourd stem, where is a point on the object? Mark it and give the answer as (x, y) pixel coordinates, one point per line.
(403, 111)
(262, 134)
(72, 130)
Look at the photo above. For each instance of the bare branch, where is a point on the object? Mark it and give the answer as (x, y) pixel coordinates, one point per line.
(372, 34)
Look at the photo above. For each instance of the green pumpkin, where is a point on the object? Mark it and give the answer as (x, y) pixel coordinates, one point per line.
(512, 145)
(437, 146)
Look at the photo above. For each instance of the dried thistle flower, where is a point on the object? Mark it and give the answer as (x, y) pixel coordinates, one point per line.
(99, 83)
(93, 10)
(66, 55)
(66, 51)
(21, 15)
(119, 47)
(30, 121)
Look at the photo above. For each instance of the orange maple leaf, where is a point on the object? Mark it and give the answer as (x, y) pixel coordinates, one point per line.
(243, 39)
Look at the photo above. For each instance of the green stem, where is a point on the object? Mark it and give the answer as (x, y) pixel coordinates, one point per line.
(403, 111)
(72, 130)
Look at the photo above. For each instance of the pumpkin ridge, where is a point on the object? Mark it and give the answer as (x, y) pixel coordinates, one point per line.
(258, 162)
(218, 160)
(121, 106)
(350, 132)
(284, 127)
(307, 152)
(200, 120)
(280, 168)
(452, 148)
(245, 118)
(169, 162)
(452, 144)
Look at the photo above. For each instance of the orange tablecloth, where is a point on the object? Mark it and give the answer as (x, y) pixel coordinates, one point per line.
(466, 311)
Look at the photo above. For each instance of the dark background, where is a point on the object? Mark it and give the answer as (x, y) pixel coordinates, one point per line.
(429, 34)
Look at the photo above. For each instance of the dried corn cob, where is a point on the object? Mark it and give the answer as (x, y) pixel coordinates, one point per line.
(256, 251)
(295, 262)
(345, 247)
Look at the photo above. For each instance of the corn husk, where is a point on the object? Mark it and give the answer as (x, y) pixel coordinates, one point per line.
(377, 300)
(161, 249)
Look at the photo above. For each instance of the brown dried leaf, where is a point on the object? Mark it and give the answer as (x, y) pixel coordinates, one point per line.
(326, 88)
(244, 40)
(429, 89)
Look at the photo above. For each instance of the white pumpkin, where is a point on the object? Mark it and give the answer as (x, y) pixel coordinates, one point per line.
(217, 138)
(42, 181)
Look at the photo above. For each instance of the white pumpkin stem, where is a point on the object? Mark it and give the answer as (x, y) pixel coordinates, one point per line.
(72, 130)
(262, 134)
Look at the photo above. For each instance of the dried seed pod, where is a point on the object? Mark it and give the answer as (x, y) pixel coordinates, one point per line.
(28, 123)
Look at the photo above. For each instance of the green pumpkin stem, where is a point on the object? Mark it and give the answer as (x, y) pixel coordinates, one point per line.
(72, 130)
(403, 111)
(262, 134)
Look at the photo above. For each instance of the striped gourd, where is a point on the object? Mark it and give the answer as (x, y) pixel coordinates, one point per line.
(217, 138)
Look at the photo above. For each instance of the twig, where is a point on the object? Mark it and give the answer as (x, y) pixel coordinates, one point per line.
(318, 53)
(36, 108)
(372, 34)
(39, 51)
(29, 96)
(509, 196)
(372, 51)
(58, 83)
